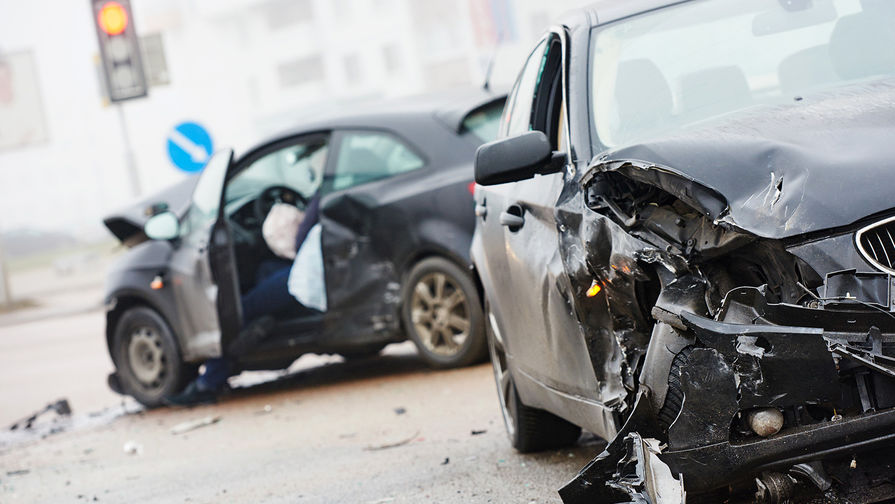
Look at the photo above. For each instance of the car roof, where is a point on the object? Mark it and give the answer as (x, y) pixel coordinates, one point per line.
(607, 11)
(447, 107)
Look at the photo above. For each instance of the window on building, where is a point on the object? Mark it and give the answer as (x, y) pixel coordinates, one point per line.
(300, 71)
(353, 70)
(285, 13)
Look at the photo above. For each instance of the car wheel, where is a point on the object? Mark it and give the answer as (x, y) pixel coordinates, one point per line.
(442, 314)
(529, 429)
(147, 357)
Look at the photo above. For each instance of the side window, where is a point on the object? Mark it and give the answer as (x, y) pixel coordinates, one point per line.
(205, 201)
(482, 124)
(298, 166)
(365, 156)
(517, 114)
(548, 108)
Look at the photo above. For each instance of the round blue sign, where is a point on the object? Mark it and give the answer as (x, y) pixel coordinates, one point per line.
(189, 146)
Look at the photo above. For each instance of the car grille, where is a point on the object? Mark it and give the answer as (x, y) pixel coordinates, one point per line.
(876, 243)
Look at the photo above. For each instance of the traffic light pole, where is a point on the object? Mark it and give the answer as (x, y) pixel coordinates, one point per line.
(130, 163)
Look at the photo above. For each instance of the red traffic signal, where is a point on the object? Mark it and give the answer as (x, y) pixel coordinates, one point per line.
(119, 49)
(112, 18)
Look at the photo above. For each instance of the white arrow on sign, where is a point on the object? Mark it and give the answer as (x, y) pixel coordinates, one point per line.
(197, 153)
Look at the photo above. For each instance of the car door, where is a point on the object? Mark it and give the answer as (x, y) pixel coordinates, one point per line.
(531, 296)
(202, 267)
(359, 210)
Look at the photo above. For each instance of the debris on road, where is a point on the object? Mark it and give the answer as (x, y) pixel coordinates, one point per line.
(20, 472)
(400, 411)
(447, 460)
(266, 410)
(61, 407)
(392, 445)
(477, 432)
(133, 448)
(194, 424)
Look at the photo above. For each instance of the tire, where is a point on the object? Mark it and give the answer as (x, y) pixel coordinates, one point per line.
(529, 429)
(674, 398)
(147, 357)
(442, 314)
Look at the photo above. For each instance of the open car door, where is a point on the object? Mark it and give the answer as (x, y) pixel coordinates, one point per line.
(205, 279)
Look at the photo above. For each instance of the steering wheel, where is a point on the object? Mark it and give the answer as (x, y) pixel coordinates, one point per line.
(277, 194)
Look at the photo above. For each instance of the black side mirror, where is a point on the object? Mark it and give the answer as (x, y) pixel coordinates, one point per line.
(516, 158)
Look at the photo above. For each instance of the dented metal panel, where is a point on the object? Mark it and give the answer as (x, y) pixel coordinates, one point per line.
(785, 170)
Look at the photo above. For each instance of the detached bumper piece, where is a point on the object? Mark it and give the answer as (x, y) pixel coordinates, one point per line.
(828, 368)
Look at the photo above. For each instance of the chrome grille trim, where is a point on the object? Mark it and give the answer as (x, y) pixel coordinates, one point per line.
(877, 245)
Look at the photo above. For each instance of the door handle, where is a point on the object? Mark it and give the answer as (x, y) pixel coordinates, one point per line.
(513, 217)
(481, 211)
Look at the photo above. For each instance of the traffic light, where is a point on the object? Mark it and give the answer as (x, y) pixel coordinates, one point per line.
(119, 49)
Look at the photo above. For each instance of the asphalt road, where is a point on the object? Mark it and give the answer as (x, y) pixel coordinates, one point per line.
(320, 433)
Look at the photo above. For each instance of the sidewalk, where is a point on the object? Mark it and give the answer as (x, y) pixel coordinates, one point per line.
(53, 294)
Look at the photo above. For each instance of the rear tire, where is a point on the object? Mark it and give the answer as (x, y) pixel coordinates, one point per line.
(529, 429)
(442, 314)
(147, 357)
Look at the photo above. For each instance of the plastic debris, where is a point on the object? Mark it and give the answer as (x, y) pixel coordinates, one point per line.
(194, 424)
(61, 407)
(392, 445)
(133, 448)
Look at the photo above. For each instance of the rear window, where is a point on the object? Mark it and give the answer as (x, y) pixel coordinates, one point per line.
(482, 124)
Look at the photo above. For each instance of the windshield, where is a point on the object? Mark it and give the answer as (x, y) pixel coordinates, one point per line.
(666, 69)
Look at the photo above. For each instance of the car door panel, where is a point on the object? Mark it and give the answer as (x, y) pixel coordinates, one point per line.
(361, 283)
(203, 271)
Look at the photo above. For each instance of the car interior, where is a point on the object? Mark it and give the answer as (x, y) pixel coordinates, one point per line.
(659, 93)
(290, 175)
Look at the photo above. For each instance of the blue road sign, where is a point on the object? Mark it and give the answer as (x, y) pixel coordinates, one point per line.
(189, 146)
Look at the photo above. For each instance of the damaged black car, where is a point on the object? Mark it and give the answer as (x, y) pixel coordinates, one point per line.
(393, 183)
(687, 247)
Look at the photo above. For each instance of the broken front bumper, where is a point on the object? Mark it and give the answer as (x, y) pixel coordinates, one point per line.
(828, 367)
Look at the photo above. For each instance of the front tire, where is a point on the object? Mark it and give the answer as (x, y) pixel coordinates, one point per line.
(529, 429)
(147, 357)
(442, 314)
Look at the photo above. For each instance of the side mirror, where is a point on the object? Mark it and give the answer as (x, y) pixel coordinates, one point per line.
(163, 226)
(516, 158)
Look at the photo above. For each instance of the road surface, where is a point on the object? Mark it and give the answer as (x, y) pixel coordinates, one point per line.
(323, 432)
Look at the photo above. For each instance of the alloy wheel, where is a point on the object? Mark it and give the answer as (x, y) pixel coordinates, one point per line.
(440, 314)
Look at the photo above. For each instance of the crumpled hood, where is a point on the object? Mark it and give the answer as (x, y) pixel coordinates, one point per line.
(127, 223)
(825, 161)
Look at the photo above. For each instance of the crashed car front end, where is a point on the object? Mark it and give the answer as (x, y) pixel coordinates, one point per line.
(743, 359)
